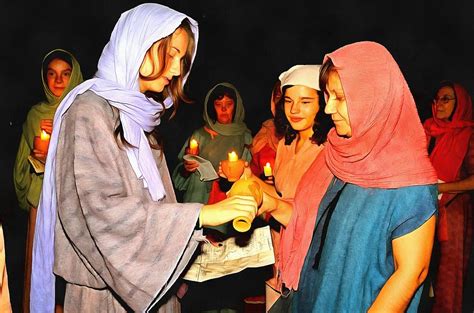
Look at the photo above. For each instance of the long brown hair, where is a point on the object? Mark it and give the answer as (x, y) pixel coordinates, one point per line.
(174, 90)
(322, 122)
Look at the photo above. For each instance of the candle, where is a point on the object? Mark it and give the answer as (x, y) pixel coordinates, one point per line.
(44, 135)
(267, 170)
(233, 167)
(193, 147)
(41, 142)
(233, 156)
(245, 187)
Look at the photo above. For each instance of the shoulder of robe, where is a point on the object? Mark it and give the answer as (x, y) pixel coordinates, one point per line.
(31, 115)
(91, 105)
(248, 137)
(201, 133)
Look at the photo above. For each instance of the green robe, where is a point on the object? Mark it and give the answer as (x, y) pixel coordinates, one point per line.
(235, 136)
(28, 184)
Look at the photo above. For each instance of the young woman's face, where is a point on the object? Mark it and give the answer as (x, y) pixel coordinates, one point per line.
(58, 75)
(177, 50)
(301, 107)
(224, 109)
(445, 101)
(336, 105)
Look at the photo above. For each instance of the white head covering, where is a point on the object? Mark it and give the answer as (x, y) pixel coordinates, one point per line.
(117, 81)
(304, 75)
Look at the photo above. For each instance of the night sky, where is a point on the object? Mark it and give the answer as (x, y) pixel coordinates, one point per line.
(247, 43)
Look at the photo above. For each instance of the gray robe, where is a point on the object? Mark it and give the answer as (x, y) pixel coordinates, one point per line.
(113, 243)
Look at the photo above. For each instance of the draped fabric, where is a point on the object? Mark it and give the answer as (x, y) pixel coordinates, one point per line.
(116, 80)
(237, 127)
(290, 167)
(452, 136)
(384, 187)
(388, 147)
(296, 237)
(347, 265)
(215, 142)
(27, 183)
(302, 75)
(265, 136)
(111, 238)
(453, 159)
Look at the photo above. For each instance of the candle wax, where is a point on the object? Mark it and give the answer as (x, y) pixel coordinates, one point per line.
(233, 156)
(267, 170)
(193, 147)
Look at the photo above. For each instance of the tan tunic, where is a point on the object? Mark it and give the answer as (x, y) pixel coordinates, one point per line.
(290, 165)
(116, 247)
(289, 168)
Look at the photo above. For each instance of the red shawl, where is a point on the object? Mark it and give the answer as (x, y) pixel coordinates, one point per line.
(452, 137)
(296, 237)
(452, 142)
(388, 147)
(265, 136)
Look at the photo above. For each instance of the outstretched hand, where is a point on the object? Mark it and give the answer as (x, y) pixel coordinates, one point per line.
(269, 204)
(280, 209)
(227, 210)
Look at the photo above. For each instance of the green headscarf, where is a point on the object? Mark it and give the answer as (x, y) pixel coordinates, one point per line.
(231, 137)
(237, 127)
(27, 183)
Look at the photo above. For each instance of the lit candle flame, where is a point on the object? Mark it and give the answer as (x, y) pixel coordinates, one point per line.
(233, 156)
(44, 135)
(267, 170)
(193, 147)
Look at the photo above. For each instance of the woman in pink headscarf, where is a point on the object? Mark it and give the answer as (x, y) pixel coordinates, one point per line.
(452, 154)
(372, 238)
(374, 233)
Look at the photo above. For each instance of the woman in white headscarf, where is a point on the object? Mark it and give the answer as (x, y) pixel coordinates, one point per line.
(300, 118)
(107, 202)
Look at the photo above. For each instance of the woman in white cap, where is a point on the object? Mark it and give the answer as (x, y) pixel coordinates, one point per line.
(300, 119)
(108, 205)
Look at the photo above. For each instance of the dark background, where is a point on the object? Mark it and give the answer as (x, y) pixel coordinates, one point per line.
(247, 43)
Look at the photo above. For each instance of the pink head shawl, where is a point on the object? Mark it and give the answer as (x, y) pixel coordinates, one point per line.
(452, 137)
(388, 147)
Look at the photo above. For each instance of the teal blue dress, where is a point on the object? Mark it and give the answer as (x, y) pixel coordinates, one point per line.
(351, 256)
